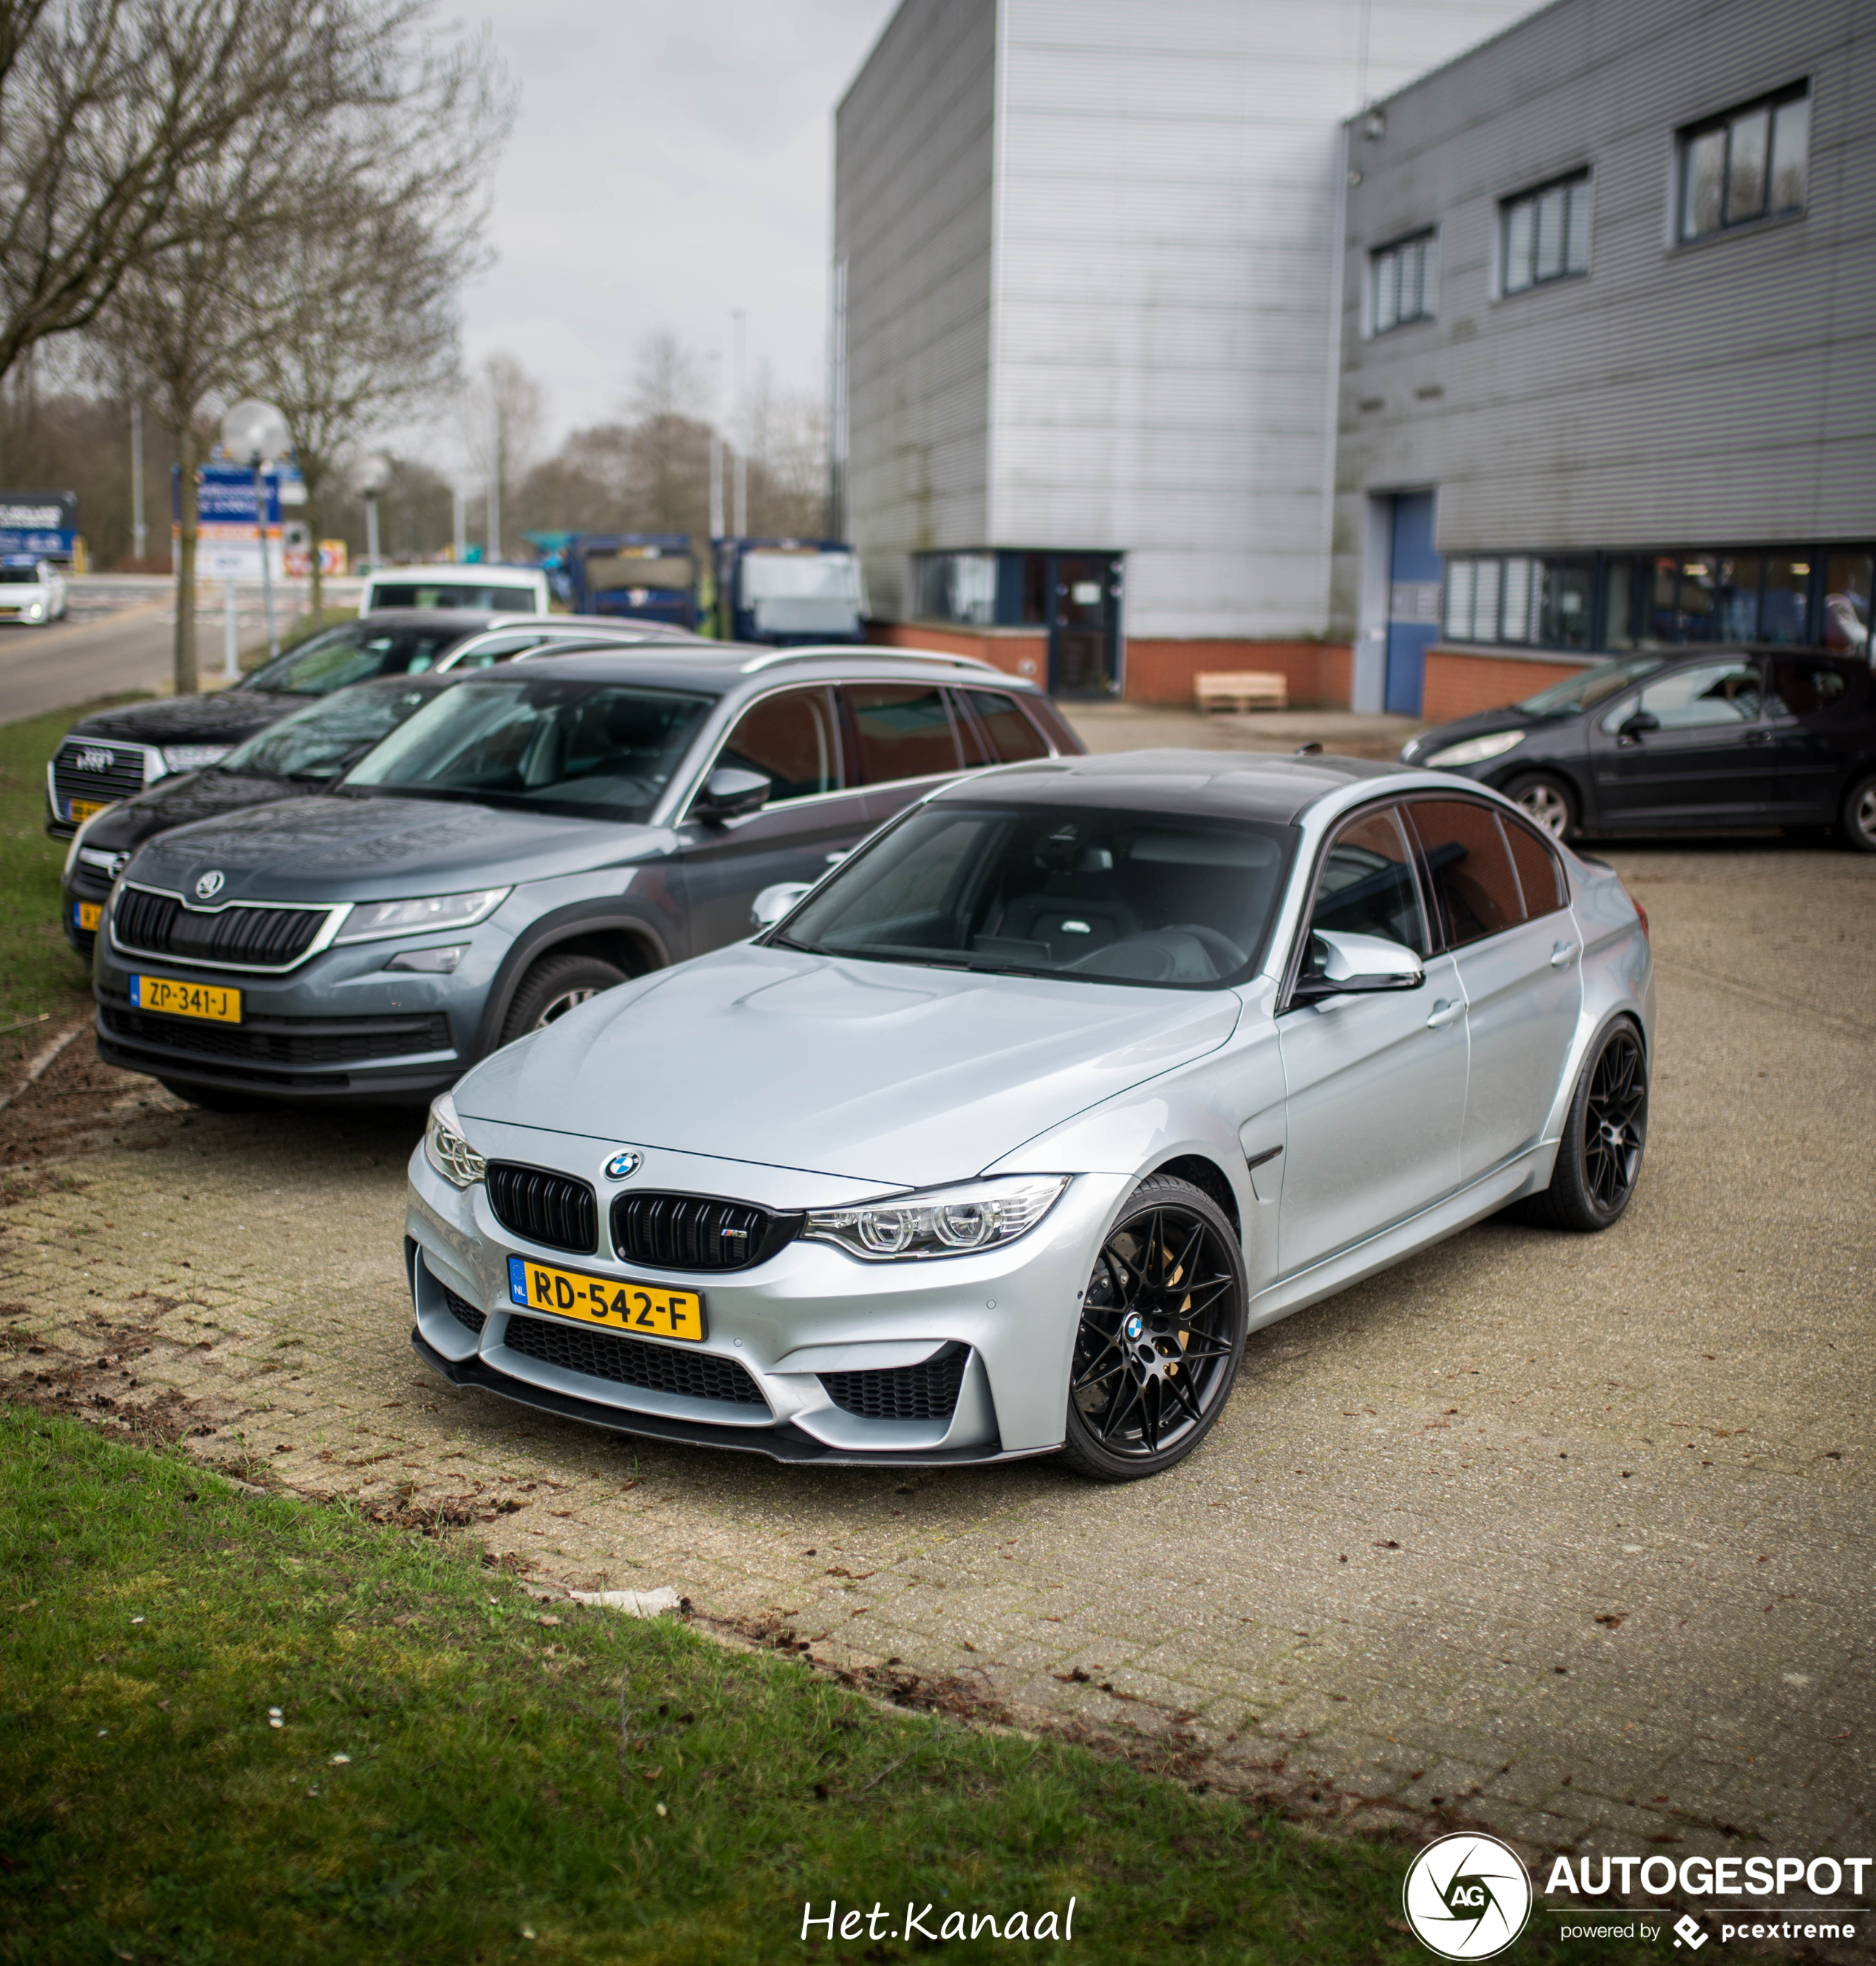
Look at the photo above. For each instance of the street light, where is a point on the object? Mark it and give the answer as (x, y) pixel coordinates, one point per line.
(369, 476)
(255, 433)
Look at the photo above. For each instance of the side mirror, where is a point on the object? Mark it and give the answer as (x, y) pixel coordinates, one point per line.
(728, 792)
(773, 903)
(1638, 725)
(1358, 965)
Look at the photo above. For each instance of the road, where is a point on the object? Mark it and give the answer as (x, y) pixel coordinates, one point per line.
(45, 669)
(1571, 1536)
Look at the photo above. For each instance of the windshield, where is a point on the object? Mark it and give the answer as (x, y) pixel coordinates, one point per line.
(321, 740)
(1103, 896)
(601, 750)
(801, 576)
(607, 573)
(1581, 692)
(354, 652)
(476, 594)
(19, 576)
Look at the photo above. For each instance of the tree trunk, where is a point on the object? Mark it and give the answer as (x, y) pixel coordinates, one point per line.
(317, 593)
(186, 684)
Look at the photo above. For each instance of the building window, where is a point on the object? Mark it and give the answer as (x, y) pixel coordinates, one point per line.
(1746, 165)
(1546, 234)
(956, 587)
(1404, 282)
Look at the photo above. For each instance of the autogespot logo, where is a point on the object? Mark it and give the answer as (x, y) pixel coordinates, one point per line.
(1467, 1896)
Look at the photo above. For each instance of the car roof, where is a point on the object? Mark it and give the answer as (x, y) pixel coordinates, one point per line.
(724, 666)
(1232, 785)
(471, 620)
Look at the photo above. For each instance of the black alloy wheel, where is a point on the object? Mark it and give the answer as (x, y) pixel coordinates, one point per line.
(554, 986)
(1161, 1336)
(1599, 1159)
(1548, 803)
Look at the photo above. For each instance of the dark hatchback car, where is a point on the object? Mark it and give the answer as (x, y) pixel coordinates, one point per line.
(529, 838)
(118, 752)
(1706, 739)
(309, 751)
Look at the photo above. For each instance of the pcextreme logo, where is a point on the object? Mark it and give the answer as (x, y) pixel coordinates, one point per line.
(1467, 1896)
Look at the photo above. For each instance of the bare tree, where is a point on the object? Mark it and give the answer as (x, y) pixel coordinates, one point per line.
(788, 441)
(107, 107)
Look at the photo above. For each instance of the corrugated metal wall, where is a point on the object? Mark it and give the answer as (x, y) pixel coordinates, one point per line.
(1165, 266)
(1719, 392)
(913, 139)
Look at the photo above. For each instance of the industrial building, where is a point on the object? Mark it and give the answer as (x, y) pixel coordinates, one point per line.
(1151, 357)
(1084, 389)
(1608, 374)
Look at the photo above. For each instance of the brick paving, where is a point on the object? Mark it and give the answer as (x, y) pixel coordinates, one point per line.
(1571, 1537)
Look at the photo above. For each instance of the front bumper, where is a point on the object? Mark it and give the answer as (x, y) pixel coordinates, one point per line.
(803, 1330)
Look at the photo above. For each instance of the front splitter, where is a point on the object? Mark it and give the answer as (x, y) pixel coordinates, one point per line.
(785, 1443)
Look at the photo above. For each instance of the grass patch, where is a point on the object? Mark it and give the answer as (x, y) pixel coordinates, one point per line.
(490, 1809)
(38, 970)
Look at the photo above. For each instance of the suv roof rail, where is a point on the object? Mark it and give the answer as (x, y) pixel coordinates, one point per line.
(869, 652)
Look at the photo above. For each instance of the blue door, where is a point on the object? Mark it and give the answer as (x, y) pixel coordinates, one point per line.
(1413, 583)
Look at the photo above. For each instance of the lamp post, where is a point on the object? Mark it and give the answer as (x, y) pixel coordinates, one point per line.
(255, 433)
(742, 430)
(369, 476)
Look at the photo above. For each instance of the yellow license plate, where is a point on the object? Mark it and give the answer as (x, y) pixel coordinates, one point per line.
(78, 810)
(86, 914)
(172, 999)
(642, 1309)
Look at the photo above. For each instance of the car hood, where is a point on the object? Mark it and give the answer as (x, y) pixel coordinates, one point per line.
(182, 800)
(338, 847)
(223, 716)
(1510, 718)
(871, 1072)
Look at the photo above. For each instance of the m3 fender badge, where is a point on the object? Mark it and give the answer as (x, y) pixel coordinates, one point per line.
(624, 1162)
(210, 884)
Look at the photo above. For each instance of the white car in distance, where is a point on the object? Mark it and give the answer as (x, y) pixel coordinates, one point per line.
(32, 591)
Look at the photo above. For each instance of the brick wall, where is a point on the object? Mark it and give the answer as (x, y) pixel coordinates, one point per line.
(1157, 671)
(1458, 684)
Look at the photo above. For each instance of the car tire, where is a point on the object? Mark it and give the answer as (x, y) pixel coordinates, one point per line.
(1857, 817)
(1548, 802)
(1136, 1405)
(212, 1098)
(554, 986)
(1599, 1159)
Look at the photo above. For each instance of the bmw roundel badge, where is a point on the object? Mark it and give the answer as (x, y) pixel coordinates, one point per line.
(622, 1163)
(210, 884)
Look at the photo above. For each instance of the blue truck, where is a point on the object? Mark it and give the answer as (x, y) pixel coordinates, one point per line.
(643, 576)
(788, 591)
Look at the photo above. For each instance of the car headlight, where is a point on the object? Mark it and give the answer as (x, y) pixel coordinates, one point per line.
(35, 610)
(193, 757)
(943, 1222)
(370, 920)
(1475, 750)
(445, 1148)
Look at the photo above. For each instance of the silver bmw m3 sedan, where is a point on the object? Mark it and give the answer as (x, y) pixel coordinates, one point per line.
(999, 1140)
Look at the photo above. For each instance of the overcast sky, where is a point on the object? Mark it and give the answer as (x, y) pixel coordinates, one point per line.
(670, 163)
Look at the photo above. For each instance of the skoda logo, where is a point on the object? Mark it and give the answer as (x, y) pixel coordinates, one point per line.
(1467, 1896)
(624, 1162)
(93, 760)
(210, 884)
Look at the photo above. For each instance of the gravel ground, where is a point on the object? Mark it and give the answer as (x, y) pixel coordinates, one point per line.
(1570, 1537)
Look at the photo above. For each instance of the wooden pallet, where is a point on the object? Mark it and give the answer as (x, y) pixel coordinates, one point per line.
(1241, 689)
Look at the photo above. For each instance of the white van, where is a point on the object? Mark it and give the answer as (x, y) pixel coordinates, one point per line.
(509, 590)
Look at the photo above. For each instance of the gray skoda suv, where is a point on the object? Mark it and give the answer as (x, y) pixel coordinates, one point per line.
(529, 838)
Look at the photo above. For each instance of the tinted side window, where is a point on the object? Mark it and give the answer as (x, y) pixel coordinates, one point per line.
(899, 731)
(1709, 693)
(1366, 885)
(1539, 874)
(1808, 689)
(1475, 887)
(1011, 736)
(789, 739)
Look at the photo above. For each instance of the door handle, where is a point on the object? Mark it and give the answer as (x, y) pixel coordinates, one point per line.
(1758, 736)
(1446, 1010)
(1563, 956)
